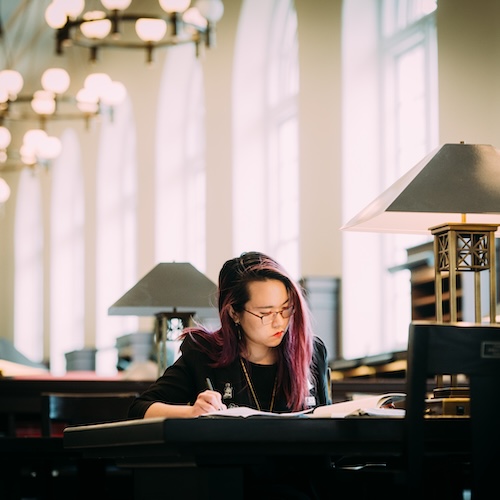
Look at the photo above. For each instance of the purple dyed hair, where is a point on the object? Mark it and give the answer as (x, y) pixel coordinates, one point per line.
(294, 352)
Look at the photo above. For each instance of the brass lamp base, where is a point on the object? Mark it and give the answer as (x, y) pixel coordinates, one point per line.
(464, 248)
(461, 247)
(448, 402)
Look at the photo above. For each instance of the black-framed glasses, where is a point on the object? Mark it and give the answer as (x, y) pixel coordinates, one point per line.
(268, 318)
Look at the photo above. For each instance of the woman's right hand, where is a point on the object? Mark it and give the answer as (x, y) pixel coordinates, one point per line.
(208, 402)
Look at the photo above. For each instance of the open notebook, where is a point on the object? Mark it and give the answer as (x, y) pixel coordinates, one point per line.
(384, 405)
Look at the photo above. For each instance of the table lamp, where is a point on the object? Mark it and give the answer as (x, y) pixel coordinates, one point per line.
(453, 193)
(173, 292)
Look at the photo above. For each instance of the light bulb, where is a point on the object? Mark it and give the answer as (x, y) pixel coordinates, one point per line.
(174, 5)
(4, 191)
(150, 30)
(211, 10)
(87, 95)
(193, 16)
(115, 94)
(5, 138)
(11, 81)
(87, 101)
(116, 4)
(55, 15)
(97, 83)
(27, 155)
(49, 148)
(73, 8)
(32, 138)
(43, 102)
(96, 27)
(55, 80)
(89, 108)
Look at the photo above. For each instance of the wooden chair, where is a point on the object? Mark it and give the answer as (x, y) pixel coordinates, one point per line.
(62, 409)
(422, 469)
(449, 349)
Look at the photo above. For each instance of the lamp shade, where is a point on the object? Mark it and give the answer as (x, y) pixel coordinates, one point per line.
(168, 287)
(452, 180)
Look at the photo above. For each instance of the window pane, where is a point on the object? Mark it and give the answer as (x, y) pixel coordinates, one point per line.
(28, 248)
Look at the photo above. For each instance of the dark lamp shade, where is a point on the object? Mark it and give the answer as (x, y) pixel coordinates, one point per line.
(452, 180)
(168, 287)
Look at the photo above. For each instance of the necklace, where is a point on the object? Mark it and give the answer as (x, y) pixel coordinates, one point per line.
(252, 390)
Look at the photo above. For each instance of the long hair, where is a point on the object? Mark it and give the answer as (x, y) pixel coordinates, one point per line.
(294, 352)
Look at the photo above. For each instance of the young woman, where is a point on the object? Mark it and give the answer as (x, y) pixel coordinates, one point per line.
(263, 356)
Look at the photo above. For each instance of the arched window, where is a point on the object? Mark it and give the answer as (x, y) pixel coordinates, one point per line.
(283, 89)
(389, 123)
(180, 168)
(67, 253)
(116, 230)
(266, 186)
(28, 250)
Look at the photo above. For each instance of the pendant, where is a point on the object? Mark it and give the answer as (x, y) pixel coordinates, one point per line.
(228, 391)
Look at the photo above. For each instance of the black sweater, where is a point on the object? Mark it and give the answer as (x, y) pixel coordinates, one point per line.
(186, 378)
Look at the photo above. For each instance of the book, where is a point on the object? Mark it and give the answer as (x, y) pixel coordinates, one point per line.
(383, 405)
(245, 411)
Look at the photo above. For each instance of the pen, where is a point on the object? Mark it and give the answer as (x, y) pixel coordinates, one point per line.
(210, 387)
(209, 384)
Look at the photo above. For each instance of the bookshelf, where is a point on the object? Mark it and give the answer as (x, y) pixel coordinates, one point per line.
(420, 262)
(423, 295)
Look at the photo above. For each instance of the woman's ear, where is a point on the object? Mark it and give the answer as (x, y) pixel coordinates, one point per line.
(234, 316)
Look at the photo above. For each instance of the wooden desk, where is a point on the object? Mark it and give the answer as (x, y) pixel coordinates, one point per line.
(207, 457)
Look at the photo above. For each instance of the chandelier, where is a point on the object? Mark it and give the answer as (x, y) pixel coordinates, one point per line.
(99, 94)
(174, 24)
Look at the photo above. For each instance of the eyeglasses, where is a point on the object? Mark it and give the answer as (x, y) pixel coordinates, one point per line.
(269, 317)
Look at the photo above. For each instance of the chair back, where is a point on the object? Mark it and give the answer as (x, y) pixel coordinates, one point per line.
(60, 410)
(452, 349)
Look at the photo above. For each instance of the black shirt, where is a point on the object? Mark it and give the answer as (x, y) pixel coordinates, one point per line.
(186, 378)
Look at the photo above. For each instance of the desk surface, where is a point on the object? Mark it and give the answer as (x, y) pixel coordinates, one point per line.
(233, 439)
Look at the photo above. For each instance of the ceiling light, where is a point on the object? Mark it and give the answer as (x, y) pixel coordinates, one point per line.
(96, 29)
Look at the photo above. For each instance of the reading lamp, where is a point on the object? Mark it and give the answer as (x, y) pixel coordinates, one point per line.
(454, 192)
(174, 293)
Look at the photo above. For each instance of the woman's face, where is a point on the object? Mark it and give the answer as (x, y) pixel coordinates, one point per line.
(266, 298)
